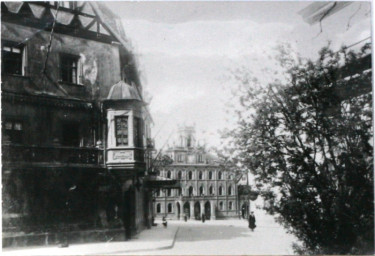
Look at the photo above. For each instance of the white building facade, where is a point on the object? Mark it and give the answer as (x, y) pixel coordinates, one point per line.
(206, 187)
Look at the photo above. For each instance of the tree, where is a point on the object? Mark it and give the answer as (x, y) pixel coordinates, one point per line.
(307, 141)
(161, 161)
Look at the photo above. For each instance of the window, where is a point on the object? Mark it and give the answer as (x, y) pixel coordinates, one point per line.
(200, 175)
(13, 130)
(211, 190)
(230, 205)
(138, 137)
(230, 190)
(180, 158)
(190, 191)
(221, 206)
(169, 208)
(13, 58)
(179, 175)
(158, 192)
(72, 5)
(210, 175)
(169, 174)
(169, 192)
(70, 70)
(158, 208)
(122, 129)
(200, 158)
(190, 175)
(188, 142)
(220, 191)
(201, 191)
(220, 176)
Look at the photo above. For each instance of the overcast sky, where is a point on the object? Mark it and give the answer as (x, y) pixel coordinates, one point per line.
(185, 50)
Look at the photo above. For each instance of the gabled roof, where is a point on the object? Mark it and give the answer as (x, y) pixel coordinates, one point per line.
(112, 21)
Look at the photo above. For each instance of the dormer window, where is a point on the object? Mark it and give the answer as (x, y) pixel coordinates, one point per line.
(122, 130)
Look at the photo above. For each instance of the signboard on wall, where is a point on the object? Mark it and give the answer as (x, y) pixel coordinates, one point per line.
(120, 156)
(123, 155)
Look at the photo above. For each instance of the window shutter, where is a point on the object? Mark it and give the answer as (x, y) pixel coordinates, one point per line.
(24, 61)
(80, 71)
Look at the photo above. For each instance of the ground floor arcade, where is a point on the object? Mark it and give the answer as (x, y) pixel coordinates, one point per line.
(195, 209)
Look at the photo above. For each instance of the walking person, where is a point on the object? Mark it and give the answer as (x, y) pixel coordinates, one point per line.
(203, 217)
(252, 225)
(165, 223)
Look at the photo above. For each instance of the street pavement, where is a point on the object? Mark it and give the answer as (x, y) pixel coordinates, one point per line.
(219, 237)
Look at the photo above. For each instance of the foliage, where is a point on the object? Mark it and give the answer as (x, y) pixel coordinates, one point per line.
(307, 139)
(161, 161)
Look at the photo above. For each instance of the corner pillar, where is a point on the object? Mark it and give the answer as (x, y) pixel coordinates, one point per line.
(202, 207)
(191, 209)
(213, 212)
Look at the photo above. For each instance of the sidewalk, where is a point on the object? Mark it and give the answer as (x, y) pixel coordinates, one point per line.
(157, 238)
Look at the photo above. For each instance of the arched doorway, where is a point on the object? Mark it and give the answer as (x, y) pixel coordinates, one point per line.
(187, 209)
(197, 211)
(178, 210)
(207, 210)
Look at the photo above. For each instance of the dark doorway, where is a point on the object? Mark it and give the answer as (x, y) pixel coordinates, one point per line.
(187, 209)
(207, 210)
(129, 211)
(245, 210)
(197, 211)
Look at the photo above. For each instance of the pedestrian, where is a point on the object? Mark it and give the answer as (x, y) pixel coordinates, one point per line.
(252, 225)
(165, 223)
(203, 217)
(243, 212)
(185, 217)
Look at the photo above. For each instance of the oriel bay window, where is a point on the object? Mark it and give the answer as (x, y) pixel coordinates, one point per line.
(122, 130)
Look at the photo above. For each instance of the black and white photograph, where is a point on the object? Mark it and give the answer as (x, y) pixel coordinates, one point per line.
(187, 128)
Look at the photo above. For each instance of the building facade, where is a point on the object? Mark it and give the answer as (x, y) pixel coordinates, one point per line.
(206, 188)
(75, 129)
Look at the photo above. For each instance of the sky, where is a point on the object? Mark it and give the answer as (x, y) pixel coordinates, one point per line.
(186, 50)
